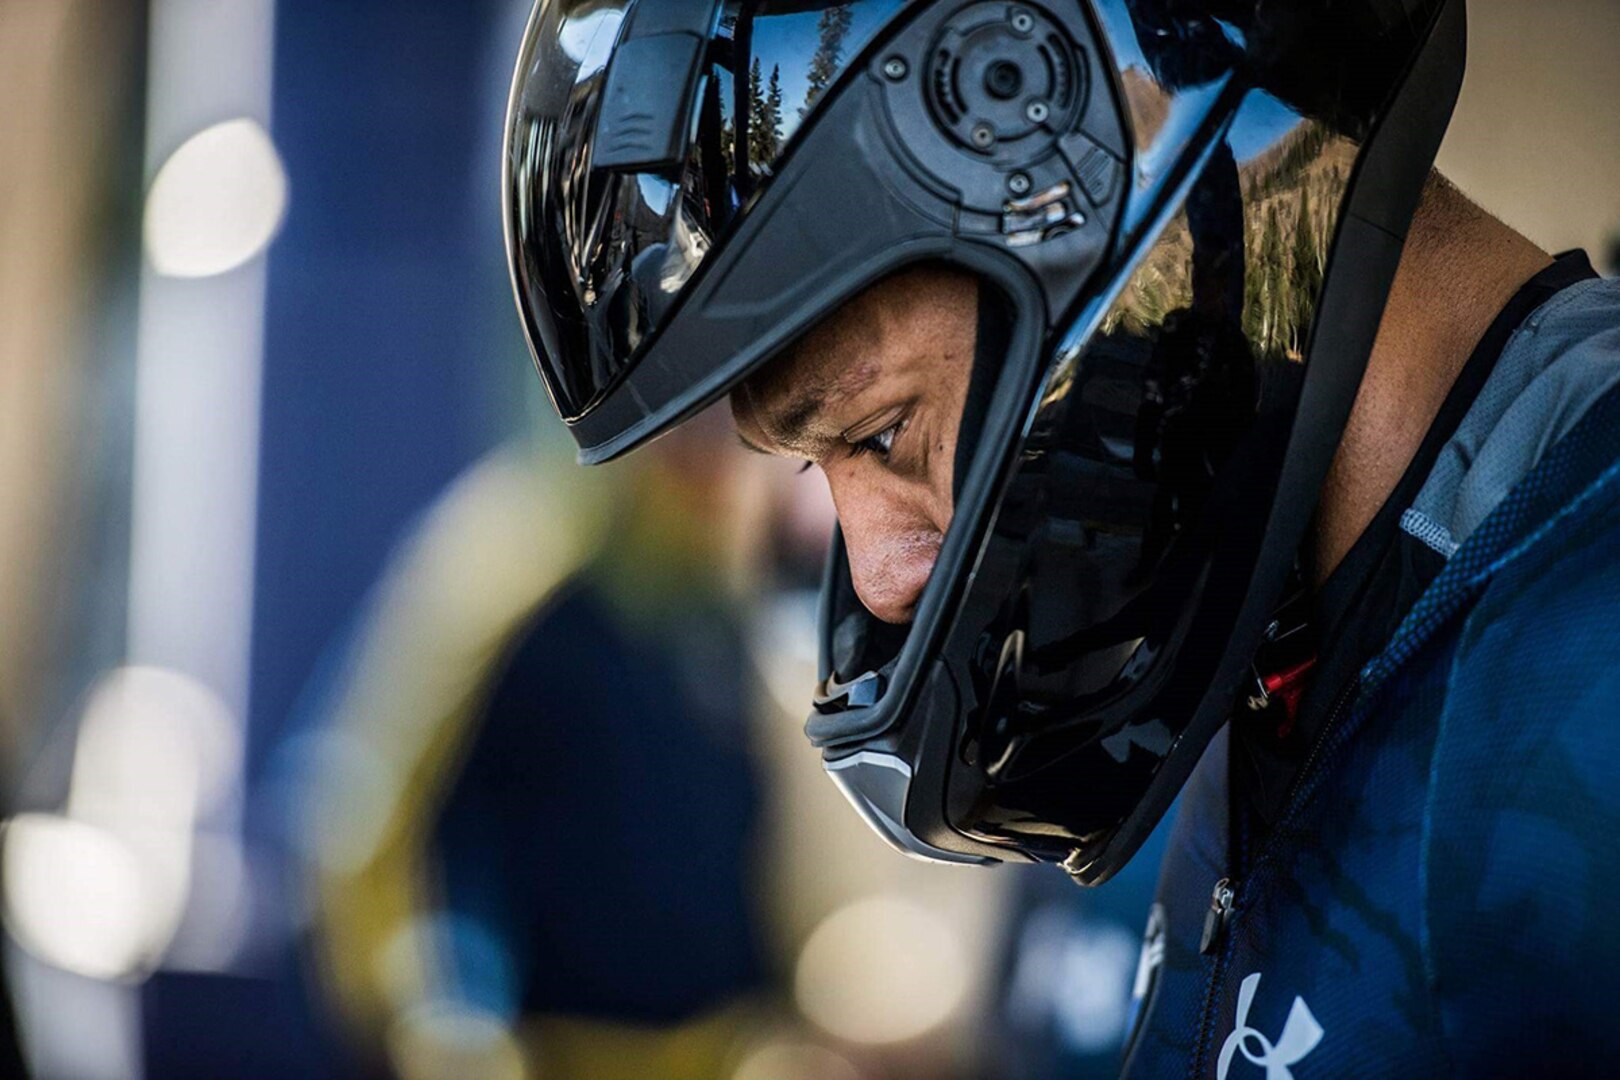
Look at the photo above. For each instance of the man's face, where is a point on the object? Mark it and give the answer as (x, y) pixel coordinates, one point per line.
(874, 398)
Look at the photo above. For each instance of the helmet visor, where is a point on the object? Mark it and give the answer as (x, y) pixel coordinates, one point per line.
(599, 255)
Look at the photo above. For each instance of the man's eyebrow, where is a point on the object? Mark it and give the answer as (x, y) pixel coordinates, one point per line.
(787, 430)
(792, 427)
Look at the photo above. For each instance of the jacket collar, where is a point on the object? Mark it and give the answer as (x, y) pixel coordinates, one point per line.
(1572, 478)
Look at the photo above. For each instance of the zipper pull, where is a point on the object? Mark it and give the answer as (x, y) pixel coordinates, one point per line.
(1220, 912)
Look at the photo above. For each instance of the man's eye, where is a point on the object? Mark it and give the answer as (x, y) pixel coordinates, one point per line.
(880, 444)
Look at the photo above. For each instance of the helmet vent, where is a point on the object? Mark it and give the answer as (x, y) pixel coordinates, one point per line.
(1005, 81)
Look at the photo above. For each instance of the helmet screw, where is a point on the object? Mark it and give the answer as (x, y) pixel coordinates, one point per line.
(1019, 183)
(983, 136)
(894, 68)
(1023, 21)
(1037, 112)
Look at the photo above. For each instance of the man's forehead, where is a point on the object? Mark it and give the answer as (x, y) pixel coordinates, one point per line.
(842, 356)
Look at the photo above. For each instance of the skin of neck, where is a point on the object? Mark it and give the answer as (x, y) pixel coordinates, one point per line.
(1459, 269)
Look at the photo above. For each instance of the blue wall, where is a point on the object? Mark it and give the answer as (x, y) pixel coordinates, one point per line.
(386, 299)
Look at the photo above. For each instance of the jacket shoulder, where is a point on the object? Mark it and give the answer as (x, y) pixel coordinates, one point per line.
(1521, 864)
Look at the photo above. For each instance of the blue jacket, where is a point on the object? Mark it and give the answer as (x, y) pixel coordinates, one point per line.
(1442, 895)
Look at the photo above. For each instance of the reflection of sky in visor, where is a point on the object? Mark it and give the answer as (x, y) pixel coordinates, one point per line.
(1265, 121)
(656, 192)
(1116, 20)
(1266, 118)
(794, 33)
(588, 39)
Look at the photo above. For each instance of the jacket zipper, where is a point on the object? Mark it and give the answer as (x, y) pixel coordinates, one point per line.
(1216, 921)
(1341, 704)
(1220, 910)
(1223, 898)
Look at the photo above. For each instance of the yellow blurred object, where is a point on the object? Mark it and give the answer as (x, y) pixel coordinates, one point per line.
(486, 556)
(574, 1049)
(432, 640)
(442, 1041)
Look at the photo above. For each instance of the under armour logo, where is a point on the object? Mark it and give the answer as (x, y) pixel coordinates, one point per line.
(1300, 1035)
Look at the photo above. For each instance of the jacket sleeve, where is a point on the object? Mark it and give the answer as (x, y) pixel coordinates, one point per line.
(1522, 832)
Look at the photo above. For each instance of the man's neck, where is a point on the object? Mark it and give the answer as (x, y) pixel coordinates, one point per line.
(1460, 268)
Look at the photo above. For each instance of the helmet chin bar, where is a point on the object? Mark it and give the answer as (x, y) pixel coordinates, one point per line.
(878, 785)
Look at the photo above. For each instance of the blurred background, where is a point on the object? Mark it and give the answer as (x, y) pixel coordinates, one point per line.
(346, 729)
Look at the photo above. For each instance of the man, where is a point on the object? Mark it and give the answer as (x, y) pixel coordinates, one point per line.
(1180, 424)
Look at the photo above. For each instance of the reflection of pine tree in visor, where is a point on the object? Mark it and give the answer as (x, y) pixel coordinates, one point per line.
(1291, 211)
(832, 28)
(772, 39)
(764, 114)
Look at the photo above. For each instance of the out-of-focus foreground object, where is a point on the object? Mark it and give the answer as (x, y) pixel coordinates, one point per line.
(69, 138)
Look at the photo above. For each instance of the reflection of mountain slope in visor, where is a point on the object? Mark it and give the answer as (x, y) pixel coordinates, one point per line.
(1291, 191)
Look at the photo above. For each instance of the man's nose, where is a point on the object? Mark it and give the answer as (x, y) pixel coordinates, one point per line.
(892, 547)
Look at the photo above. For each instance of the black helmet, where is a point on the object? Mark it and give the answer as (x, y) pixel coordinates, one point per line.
(1185, 216)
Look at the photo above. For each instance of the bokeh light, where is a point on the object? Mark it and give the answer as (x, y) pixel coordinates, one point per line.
(795, 1061)
(154, 746)
(881, 970)
(77, 897)
(216, 202)
(102, 888)
(442, 1040)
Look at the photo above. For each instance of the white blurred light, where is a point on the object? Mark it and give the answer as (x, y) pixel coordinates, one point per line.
(784, 634)
(216, 202)
(102, 890)
(451, 1039)
(881, 970)
(77, 898)
(588, 39)
(218, 908)
(155, 748)
(1097, 969)
(87, 1029)
(1077, 974)
(795, 1061)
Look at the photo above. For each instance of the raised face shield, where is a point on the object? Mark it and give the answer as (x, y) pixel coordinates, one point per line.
(1182, 220)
